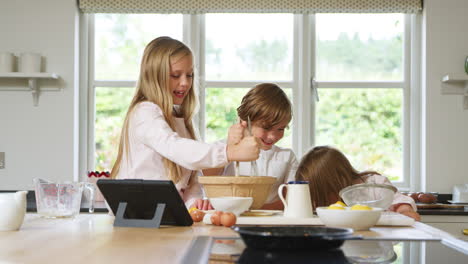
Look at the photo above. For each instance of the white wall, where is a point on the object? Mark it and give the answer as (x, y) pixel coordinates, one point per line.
(40, 141)
(446, 122)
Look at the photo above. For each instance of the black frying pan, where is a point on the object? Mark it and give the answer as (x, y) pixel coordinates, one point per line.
(294, 237)
(257, 256)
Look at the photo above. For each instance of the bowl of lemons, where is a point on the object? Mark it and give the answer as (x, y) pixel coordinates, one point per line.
(357, 217)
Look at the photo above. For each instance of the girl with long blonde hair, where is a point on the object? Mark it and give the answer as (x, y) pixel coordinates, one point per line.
(328, 171)
(158, 139)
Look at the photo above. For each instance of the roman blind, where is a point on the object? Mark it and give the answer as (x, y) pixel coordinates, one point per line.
(250, 6)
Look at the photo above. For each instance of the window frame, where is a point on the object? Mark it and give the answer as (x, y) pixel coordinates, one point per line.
(304, 105)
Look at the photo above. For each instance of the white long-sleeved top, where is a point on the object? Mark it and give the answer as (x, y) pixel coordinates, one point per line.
(398, 197)
(151, 139)
(277, 162)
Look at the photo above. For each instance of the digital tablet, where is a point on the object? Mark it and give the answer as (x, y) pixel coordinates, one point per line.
(142, 197)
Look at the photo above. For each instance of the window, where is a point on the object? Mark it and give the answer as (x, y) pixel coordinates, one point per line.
(358, 63)
(236, 60)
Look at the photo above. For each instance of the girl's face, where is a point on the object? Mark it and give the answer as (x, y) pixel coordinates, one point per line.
(181, 77)
(269, 135)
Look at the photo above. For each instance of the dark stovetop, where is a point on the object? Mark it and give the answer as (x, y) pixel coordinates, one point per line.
(233, 250)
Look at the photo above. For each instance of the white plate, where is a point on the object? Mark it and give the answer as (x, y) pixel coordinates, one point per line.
(455, 202)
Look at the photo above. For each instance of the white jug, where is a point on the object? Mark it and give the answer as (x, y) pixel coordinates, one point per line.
(297, 203)
(12, 210)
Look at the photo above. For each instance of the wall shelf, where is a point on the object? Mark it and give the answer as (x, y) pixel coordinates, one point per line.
(32, 81)
(455, 77)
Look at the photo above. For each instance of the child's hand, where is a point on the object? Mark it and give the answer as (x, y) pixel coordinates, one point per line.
(235, 134)
(406, 209)
(202, 204)
(247, 149)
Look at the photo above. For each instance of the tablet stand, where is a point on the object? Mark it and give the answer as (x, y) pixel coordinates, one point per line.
(149, 223)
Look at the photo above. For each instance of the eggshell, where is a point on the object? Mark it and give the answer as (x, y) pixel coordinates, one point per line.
(228, 219)
(197, 215)
(216, 218)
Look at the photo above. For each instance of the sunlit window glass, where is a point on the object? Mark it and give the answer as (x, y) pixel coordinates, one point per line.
(111, 107)
(249, 47)
(358, 47)
(366, 125)
(121, 38)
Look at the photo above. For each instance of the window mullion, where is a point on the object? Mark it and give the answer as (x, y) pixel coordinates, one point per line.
(244, 84)
(194, 37)
(363, 84)
(91, 147)
(304, 117)
(414, 174)
(108, 83)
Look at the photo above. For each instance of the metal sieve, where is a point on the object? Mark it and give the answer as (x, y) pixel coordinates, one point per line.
(371, 194)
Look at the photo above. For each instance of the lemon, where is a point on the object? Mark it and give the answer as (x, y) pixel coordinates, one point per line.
(361, 207)
(335, 207)
(192, 209)
(340, 203)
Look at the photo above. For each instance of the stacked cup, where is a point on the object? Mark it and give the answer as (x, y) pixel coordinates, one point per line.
(29, 62)
(7, 60)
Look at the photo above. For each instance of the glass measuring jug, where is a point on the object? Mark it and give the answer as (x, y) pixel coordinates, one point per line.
(59, 200)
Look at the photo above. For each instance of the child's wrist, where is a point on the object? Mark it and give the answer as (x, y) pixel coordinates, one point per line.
(402, 207)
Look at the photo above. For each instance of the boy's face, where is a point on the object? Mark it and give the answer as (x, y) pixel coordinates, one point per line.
(268, 135)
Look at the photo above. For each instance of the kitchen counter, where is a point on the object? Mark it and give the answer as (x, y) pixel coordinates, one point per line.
(101, 208)
(92, 238)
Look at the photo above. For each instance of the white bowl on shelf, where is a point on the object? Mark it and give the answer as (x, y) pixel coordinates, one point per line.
(355, 219)
(235, 205)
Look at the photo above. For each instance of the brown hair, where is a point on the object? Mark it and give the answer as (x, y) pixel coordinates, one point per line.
(267, 104)
(328, 171)
(153, 86)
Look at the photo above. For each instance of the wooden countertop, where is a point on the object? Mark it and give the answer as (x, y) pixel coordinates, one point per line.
(92, 238)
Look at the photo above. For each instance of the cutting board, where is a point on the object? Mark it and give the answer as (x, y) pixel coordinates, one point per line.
(387, 219)
(439, 206)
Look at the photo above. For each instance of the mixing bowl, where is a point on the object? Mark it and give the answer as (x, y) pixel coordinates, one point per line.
(347, 218)
(235, 205)
(257, 187)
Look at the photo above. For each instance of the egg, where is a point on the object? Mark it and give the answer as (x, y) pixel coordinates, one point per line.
(228, 219)
(361, 207)
(216, 218)
(197, 215)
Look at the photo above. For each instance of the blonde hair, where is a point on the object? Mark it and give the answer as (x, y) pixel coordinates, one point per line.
(267, 104)
(153, 86)
(328, 171)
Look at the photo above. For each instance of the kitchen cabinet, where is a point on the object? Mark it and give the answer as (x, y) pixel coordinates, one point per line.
(452, 224)
(32, 79)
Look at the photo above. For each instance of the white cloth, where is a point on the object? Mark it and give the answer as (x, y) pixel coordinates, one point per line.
(277, 162)
(151, 139)
(398, 197)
